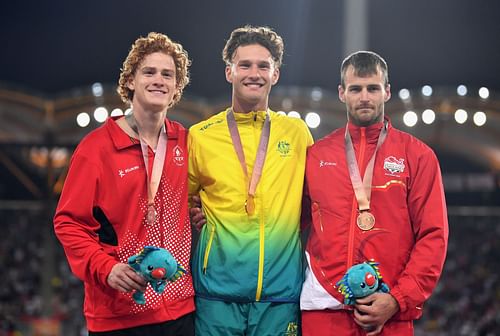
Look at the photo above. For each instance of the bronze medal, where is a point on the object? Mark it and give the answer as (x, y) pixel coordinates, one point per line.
(250, 205)
(151, 215)
(365, 221)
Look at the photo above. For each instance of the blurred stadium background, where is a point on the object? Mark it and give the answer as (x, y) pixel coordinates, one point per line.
(60, 64)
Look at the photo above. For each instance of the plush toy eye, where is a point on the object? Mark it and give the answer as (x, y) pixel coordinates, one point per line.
(150, 268)
(362, 285)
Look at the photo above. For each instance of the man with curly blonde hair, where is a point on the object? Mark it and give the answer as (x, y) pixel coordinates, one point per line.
(126, 188)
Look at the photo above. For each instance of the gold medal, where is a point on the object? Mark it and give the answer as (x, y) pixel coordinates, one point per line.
(250, 205)
(151, 215)
(365, 221)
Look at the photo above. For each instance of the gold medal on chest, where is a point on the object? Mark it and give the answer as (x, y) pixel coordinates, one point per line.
(250, 205)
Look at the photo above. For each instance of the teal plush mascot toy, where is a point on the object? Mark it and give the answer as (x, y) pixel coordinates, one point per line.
(361, 280)
(157, 266)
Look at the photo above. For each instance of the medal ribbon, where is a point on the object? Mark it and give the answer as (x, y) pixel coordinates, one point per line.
(362, 188)
(153, 181)
(261, 152)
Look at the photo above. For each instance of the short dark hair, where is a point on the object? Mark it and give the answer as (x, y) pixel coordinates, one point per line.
(364, 63)
(248, 35)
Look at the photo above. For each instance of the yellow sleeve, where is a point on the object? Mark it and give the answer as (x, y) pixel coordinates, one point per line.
(193, 172)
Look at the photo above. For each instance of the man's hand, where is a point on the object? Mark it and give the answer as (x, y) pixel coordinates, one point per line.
(196, 214)
(124, 279)
(373, 311)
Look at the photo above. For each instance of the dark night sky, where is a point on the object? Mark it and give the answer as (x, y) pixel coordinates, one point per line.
(52, 46)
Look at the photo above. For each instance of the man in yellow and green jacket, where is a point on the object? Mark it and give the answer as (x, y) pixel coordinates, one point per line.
(247, 267)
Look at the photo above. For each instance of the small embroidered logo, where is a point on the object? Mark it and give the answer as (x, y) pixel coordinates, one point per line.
(284, 147)
(393, 165)
(178, 155)
(207, 125)
(292, 329)
(326, 163)
(123, 172)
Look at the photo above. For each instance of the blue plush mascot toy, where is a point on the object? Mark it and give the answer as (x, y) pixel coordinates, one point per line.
(157, 266)
(361, 280)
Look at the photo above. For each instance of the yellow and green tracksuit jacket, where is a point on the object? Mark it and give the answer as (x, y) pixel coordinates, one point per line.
(242, 258)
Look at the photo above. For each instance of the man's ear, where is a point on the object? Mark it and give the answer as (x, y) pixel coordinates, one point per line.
(387, 92)
(341, 93)
(276, 76)
(131, 84)
(229, 73)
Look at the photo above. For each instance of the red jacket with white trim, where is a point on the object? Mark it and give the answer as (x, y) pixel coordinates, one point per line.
(410, 236)
(101, 220)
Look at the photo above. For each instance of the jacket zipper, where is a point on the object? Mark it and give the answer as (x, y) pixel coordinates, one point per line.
(354, 211)
(207, 249)
(260, 277)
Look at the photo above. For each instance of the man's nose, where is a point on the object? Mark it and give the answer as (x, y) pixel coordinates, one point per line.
(158, 79)
(364, 94)
(254, 71)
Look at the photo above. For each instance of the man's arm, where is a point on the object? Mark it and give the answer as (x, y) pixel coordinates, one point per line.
(196, 215)
(75, 226)
(428, 214)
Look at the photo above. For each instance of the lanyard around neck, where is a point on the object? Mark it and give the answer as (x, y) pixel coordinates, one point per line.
(259, 159)
(362, 188)
(153, 180)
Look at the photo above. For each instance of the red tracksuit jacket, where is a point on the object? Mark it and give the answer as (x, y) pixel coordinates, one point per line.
(410, 236)
(100, 221)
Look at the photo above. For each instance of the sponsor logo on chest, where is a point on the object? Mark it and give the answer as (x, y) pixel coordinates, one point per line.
(326, 163)
(123, 172)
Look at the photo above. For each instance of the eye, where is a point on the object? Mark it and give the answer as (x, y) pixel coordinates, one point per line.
(168, 74)
(362, 285)
(150, 268)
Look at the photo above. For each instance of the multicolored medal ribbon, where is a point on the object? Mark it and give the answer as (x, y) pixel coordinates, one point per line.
(259, 159)
(362, 188)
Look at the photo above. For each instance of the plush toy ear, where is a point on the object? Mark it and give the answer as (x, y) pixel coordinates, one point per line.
(132, 259)
(180, 272)
(148, 249)
(345, 290)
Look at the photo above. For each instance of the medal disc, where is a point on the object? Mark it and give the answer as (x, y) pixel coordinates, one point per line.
(365, 221)
(250, 205)
(151, 215)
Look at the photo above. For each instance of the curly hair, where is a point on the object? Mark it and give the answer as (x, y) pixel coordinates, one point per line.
(143, 46)
(248, 35)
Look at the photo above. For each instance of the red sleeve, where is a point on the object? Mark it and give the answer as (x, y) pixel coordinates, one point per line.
(75, 226)
(427, 210)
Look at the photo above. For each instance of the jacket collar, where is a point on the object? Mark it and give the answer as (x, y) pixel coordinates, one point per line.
(371, 132)
(250, 116)
(122, 140)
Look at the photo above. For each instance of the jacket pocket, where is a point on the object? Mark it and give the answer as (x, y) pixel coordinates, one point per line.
(207, 249)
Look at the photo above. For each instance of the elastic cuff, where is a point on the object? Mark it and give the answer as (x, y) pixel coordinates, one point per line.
(396, 293)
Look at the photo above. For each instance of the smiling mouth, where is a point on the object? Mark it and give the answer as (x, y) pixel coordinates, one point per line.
(259, 85)
(157, 92)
